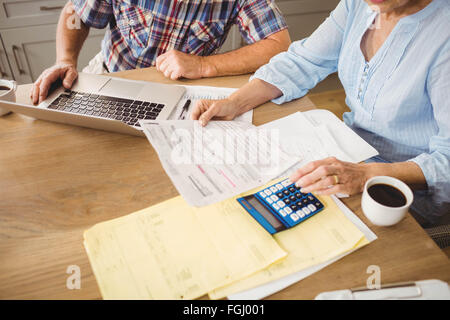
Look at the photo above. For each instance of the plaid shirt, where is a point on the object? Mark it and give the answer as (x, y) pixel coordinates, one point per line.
(141, 30)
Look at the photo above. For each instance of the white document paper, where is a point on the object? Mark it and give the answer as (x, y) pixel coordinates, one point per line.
(318, 134)
(270, 288)
(195, 93)
(213, 163)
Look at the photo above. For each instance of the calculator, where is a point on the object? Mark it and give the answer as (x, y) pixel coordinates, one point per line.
(281, 206)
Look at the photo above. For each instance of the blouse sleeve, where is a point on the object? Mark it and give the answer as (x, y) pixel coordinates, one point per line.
(307, 61)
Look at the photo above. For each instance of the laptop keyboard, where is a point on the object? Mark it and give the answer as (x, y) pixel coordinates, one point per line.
(125, 110)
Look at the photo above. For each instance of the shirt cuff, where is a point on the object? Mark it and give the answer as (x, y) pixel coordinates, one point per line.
(427, 165)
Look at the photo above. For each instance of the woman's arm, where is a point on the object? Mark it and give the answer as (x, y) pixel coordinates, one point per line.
(291, 73)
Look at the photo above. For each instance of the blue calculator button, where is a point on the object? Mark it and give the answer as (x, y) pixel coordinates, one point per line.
(286, 203)
(286, 183)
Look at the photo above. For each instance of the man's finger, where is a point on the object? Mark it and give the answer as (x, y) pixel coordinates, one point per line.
(46, 84)
(35, 92)
(175, 75)
(168, 72)
(160, 59)
(69, 78)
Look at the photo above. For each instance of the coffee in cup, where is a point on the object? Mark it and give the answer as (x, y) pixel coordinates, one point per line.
(7, 93)
(386, 200)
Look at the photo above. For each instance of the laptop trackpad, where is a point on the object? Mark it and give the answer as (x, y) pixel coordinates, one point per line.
(121, 88)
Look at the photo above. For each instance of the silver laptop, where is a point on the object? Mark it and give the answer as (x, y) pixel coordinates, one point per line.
(105, 103)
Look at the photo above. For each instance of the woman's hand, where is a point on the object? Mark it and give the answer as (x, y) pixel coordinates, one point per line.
(330, 176)
(205, 110)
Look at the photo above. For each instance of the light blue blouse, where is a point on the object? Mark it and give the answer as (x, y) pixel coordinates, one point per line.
(399, 100)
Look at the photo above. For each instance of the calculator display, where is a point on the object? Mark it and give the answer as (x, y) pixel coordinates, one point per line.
(265, 213)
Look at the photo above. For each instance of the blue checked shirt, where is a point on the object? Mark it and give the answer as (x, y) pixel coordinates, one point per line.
(399, 100)
(141, 30)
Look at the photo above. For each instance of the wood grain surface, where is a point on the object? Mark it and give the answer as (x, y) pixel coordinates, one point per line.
(58, 180)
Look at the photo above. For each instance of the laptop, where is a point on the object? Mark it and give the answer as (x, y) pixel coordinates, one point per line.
(105, 103)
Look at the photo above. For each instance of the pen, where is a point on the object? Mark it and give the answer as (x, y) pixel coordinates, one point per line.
(185, 109)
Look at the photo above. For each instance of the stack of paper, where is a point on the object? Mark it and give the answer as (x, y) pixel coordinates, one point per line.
(174, 251)
(314, 241)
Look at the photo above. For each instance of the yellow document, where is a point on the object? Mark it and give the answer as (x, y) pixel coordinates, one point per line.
(320, 238)
(174, 251)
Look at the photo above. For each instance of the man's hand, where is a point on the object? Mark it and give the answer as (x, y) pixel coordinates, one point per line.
(67, 72)
(176, 64)
(330, 176)
(205, 110)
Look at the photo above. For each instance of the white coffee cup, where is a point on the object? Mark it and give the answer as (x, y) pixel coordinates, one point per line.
(7, 95)
(380, 214)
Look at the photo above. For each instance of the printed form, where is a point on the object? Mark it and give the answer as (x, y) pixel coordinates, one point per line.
(213, 163)
(174, 251)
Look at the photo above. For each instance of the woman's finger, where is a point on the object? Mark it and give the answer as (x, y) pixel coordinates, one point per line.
(337, 188)
(200, 107)
(323, 183)
(209, 114)
(318, 174)
(310, 167)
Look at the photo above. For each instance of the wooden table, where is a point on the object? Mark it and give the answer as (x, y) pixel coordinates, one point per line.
(58, 180)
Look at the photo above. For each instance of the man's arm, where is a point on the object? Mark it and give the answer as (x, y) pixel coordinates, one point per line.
(175, 64)
(70, 35)
(248, 58)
